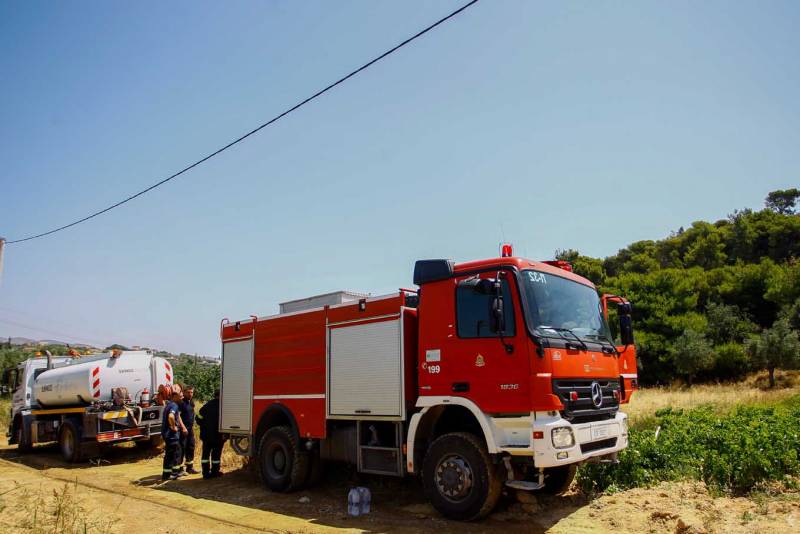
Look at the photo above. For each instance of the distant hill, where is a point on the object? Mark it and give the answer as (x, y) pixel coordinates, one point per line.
(23, 342)
(20, 340)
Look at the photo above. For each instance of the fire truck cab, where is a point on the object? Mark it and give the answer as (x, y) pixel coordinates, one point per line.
(494, 372)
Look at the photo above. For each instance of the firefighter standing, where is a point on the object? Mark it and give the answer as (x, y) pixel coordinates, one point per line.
(171, 429)
(208, 420)
(187, 439)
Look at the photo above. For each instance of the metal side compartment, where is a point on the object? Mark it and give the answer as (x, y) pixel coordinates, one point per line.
(365, 369)
(236, 393)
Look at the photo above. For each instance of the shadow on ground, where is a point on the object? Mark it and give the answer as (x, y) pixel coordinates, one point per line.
(48, 456)
(398, 505)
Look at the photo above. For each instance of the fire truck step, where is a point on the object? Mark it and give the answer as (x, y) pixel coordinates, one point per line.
(379, 449)
(524, 485)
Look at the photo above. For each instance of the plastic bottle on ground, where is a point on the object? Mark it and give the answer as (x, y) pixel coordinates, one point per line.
(366, 499)
(354, 502)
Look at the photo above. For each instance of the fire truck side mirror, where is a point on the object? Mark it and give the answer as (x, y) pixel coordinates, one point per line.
(498, 317)
(625, 323)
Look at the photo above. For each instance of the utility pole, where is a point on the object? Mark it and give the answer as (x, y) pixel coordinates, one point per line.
(2, 244)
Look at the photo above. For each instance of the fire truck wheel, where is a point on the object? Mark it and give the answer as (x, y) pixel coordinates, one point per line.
(69, 442)
(557, 480)
(283, 465)
(459, 477)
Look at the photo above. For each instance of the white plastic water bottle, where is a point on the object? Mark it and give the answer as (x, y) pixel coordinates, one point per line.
(366, 499)
(354, 502)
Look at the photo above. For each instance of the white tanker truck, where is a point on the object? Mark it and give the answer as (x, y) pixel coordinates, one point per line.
(87, 401)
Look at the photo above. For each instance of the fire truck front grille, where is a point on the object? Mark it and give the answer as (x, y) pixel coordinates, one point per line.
(584, 409)
(597, 445)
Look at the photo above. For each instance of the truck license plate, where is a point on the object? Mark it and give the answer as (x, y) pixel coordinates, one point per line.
(599, 432)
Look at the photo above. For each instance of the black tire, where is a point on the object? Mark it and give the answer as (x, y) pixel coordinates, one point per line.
(283, 465)
(459, 477)
(69, 442)
(557, 480)
(23, 444)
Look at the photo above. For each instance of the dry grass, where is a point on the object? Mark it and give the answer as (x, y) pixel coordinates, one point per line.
(722, 397)
(5, 414)
(62, 511)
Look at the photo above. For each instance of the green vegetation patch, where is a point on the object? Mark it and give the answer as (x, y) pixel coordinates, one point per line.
(733, 453)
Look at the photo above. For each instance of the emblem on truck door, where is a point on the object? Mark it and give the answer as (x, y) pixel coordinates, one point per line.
(479, 361)
(597, 395)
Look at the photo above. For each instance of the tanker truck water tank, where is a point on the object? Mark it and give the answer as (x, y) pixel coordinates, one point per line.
(92, 378)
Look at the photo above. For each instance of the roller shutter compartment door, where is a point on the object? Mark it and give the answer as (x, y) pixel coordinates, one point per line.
(365, 370)
(236, 396)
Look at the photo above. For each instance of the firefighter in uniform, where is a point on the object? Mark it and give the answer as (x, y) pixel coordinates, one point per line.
(171, 432)
(208, 420)
(187, 439)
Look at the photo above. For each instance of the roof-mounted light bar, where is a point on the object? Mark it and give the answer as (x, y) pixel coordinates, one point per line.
(561, 264)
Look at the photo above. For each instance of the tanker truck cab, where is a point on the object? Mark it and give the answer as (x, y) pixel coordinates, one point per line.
(23, 377)
(19, 381)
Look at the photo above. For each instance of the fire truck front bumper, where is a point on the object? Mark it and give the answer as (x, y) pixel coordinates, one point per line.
(556, 441)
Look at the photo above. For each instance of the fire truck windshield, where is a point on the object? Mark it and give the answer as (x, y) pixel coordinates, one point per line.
(556, 305)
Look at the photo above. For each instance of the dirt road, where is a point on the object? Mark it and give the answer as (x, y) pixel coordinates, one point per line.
(125, 489)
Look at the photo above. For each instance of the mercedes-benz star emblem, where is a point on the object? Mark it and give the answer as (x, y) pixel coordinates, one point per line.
(597, 395)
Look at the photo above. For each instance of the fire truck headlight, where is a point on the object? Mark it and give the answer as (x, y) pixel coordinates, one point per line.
(563, 438)
(625, 426)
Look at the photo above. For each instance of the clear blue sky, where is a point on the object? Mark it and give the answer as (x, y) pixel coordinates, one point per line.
(583, 125)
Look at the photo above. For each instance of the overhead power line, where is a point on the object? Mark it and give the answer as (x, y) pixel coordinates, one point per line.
(251, 132)
(51, 333)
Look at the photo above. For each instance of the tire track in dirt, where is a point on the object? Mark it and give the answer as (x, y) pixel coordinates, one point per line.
(153, 502)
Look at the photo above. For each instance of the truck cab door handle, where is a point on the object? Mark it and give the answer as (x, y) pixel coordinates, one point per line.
(460, 387)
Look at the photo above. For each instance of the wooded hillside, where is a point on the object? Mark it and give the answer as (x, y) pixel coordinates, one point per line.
(714, 300)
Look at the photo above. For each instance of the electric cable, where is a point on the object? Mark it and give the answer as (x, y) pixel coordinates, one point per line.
(253, 131)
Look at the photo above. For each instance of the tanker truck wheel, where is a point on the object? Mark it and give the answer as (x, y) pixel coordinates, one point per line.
(69, 442)
(23, 445)
(459, 477)
(283, 465)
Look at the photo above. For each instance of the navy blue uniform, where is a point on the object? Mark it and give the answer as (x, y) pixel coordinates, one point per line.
(187, 441)
(172, 443)
(208, 420)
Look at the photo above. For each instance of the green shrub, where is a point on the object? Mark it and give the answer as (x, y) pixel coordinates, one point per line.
(731, 361)
(733, 453)
(205, 378)
(5, 414)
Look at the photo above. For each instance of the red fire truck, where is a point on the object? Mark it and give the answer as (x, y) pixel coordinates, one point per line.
(494, 372)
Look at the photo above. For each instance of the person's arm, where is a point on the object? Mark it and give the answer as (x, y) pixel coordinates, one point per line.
(171, 421)
(183, 427)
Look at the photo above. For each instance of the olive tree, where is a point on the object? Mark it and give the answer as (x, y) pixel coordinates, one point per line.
(692, 353)
(777, 348)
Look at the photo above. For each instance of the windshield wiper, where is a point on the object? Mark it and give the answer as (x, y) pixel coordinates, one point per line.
(560, 330)
(604, 338)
